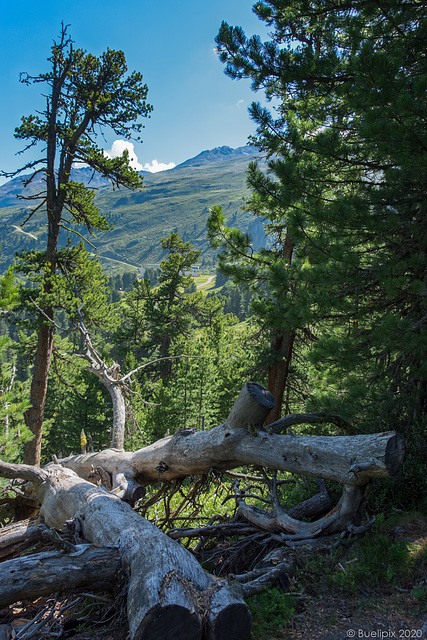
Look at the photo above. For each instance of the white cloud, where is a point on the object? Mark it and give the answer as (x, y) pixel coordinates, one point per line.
(155, 167)
(119, 146)
(117, 150)
(240, 104)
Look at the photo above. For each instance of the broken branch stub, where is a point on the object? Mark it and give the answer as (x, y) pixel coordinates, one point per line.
(252, 406)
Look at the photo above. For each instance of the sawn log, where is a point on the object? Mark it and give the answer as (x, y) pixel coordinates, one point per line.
(169, 595)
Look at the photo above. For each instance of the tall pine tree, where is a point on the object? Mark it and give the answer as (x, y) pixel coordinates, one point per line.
(345, 144)
(85, 95)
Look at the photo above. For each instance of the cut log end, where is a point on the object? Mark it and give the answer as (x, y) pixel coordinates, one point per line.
(394, 454)
(253, 404)
(172, 622)
(261, 395)
(232, 623)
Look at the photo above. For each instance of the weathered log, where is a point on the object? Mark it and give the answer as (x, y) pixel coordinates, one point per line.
(169, 595)
(351, 460)
(24, 471)
(50, 571)
(17, 537)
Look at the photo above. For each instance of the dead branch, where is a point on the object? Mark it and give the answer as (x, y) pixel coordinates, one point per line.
(23, 471)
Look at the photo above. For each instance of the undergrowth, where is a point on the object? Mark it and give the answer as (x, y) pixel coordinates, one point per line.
(380, 561)
(271, 610)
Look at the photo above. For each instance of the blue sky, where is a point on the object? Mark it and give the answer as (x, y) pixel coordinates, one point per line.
(171, 42)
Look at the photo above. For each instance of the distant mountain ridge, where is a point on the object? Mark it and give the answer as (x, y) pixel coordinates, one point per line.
(177, 200)
(13, 188)
(219, 154)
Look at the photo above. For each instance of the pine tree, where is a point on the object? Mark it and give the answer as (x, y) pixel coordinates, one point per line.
(345, 148)
(13, 401)
(85, 95)
(156, 316)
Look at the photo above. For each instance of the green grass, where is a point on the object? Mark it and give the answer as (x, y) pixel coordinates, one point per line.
(205, 282)
(271, 610)
(378, 561)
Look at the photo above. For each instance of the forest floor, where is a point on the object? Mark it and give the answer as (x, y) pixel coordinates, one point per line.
(346, 595)
(374, 587)
(336, 616)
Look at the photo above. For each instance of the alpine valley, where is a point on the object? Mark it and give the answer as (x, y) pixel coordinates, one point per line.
(177, 200)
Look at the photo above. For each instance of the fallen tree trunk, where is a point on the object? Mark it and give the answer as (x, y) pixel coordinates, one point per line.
(351, 460)
(45, 573)
(17, 537)
(169, 595)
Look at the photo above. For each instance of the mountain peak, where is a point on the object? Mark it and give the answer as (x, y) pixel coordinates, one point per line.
(217, 154)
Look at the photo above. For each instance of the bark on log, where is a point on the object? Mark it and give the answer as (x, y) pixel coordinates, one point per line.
(50, 571)
(169, 595)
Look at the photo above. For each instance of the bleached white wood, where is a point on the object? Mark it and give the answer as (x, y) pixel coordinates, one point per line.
(169, 595)
(351, 460)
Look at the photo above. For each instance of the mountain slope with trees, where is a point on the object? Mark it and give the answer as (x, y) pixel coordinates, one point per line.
(177, 200)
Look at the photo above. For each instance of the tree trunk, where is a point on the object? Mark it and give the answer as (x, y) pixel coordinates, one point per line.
(170, 595)
(34, 415)
(282, 347)
(119, 414)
